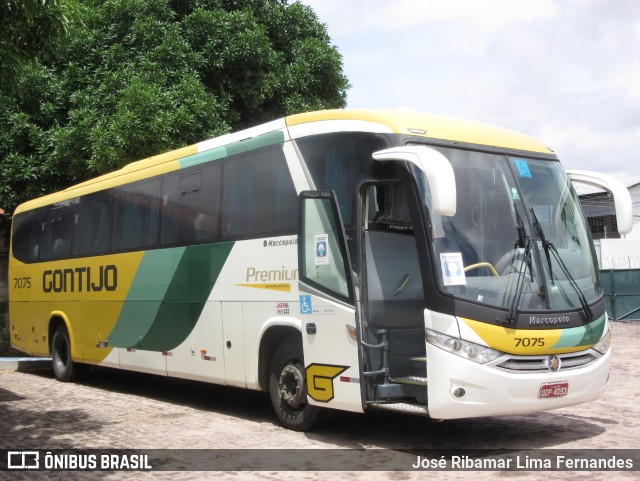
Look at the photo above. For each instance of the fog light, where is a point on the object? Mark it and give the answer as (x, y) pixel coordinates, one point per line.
(459, 392)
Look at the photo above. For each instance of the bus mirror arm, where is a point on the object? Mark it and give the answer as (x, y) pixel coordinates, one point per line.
(621, 196)
(436, 168)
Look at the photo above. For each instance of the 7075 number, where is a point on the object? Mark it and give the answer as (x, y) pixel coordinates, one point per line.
(529, 341)
(22, 282)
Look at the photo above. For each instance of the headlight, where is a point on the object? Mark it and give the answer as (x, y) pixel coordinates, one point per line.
(468, 350)
(604, 344)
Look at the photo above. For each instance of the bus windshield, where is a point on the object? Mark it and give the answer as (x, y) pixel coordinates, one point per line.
(518, 239)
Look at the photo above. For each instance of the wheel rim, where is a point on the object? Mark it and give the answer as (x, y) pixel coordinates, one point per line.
(291, 386)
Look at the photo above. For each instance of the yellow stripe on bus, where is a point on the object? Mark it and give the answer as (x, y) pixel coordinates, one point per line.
(526, 342)
(430, 126)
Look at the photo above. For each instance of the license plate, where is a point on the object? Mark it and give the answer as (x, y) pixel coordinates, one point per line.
(554, 389)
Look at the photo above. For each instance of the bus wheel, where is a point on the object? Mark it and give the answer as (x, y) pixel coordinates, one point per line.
(288, 387)
(64, 368)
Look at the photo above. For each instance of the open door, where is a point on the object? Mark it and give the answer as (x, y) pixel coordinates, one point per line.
(328, 307)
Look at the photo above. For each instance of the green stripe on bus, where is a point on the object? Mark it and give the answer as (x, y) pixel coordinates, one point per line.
(202, 157)
(265, 140)
(186, 296)
(582, 336)
(593, 331)
(143, 301)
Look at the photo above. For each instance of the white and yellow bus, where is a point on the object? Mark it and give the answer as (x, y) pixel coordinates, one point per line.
(350, 260)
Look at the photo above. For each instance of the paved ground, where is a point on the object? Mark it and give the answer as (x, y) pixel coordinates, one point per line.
(116, 409)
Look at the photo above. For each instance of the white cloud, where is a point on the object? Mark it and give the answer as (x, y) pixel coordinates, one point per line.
(388, 15)
(565, 71)
(490, 15)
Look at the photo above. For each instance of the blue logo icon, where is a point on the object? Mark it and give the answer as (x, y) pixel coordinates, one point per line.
(523, 168)
(305, 305)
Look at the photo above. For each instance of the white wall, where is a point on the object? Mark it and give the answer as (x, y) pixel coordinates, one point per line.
(618, 254)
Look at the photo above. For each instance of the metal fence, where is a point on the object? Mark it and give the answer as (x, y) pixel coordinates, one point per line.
(622, 293)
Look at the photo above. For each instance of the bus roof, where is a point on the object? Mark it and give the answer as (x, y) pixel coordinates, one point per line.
(384, 121)
(429, 126)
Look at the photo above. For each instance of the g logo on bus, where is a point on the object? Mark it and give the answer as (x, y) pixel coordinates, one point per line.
(553, 363)
(320, 381)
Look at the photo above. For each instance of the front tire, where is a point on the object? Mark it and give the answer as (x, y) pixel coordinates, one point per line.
(288, 387)
(64, 367)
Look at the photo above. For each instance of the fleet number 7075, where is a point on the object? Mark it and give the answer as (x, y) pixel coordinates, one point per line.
(529, 341)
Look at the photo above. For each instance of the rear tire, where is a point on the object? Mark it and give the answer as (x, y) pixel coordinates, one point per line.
(288, 388)
(64, 367)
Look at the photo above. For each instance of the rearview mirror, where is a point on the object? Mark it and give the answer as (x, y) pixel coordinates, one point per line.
(437, 170)
(621, 196)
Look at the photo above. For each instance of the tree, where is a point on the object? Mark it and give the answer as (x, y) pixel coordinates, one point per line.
(138, 77)
(30, 29)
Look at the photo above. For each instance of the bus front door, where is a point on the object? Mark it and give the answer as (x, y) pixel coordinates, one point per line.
(328, 307)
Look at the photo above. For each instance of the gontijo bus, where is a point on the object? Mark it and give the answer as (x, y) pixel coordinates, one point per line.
(350, 260)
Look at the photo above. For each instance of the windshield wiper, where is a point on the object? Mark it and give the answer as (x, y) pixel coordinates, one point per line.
(549, 249)
(546, 244)
(512, 314)
(522, 235)
(523, 242)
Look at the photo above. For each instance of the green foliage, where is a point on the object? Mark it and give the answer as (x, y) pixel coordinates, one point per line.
(135, 78)
(30, 29)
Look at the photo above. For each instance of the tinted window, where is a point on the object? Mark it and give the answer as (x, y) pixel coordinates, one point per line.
(341, 162)
(136, 215)
(27, 233)
(93, 225)
(57, 231)
(255, 188)
(190, 206)
(259, 196)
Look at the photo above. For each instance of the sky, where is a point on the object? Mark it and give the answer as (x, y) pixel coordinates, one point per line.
(564, 71)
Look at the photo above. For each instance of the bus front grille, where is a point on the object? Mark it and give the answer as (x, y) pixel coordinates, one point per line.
(542, 364)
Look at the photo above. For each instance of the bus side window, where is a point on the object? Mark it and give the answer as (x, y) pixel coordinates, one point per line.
(136, 215)
(57, 231)
(92, 233)
(190, 205)
(388, 208)
(27, 232)
(205, 222)
(259, 197)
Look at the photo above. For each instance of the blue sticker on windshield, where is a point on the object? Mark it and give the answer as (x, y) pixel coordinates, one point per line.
(523, 168)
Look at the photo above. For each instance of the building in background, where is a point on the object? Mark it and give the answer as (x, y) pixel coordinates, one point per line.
(619, 258)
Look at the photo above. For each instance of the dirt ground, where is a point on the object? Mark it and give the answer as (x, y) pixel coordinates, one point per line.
(123, 410)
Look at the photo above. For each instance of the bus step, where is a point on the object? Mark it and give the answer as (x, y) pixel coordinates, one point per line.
(411, 408)
(413, 380)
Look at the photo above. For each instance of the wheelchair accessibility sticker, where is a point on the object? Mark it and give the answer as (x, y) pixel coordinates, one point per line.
(523, 168)
(305, 305)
